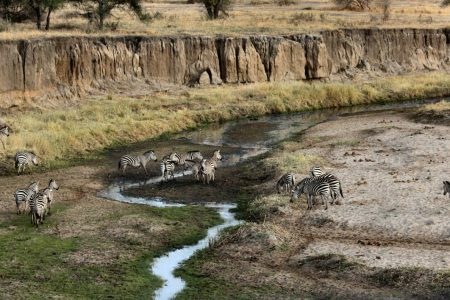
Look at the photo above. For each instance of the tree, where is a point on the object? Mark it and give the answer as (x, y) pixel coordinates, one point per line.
(445, 3)
(51, 6)
(98, 10)
(214, 7)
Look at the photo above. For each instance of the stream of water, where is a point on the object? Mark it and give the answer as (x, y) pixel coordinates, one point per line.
(249, 138)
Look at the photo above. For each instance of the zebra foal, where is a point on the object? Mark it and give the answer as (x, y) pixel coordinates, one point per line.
(209, 166)
(286, 183)
(52, 185)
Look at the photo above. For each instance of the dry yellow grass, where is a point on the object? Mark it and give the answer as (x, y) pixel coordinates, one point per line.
(246, 17)
(58, 134)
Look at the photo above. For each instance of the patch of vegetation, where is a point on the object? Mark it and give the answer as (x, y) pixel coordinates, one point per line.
(56, 134)
(329, 263)
(260, 208)
(42, 263)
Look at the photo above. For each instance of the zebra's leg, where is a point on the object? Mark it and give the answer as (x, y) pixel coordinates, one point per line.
(326, 202)
(18, 207)
(4, 148)
(145, 169)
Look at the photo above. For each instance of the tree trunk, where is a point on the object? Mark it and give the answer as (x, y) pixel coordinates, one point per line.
(47, 23)
(209, 9)
(38, 17)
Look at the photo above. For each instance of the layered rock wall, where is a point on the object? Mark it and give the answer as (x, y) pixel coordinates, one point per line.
(78, 63)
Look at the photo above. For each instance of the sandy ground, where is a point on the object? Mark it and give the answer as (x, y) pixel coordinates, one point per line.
(394, 218)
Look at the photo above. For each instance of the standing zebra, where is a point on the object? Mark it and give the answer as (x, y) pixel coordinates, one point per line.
(286, 183)
(447, 188)
(180, 159)
(24, 196)
(195, 167)
(316, 171)
(208, 167)
(24, 159)
(39, 208)
(52, 185)
(4, 133)
(335, 185)
(167, 169)
(312, 187)
(136, 161)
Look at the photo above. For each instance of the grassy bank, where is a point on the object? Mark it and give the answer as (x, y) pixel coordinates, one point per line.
(111, 262)
(71, 133)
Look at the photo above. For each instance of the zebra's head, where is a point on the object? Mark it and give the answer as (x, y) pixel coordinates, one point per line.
(52, 185)
(150, 155)
(217, 155)
(34, 187)
(5, 130)
(298, 190)
(316, 171)
(174, 157)
(34, 159)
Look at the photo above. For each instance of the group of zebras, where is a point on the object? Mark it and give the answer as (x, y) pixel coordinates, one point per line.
(321, 184)
(202, 168)
(37, 202)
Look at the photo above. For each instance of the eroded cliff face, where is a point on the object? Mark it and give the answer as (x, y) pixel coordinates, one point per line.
(68, 66)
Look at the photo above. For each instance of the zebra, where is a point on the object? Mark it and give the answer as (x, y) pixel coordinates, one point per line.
(24, 159)
(209, 166)
(195, 166)
(39, 209)
(136, 161)
(24, 195)
(286, 182)
(447, 188)
(52, 185)
(180, 159)
(167, 169)
(335, 185)
(312, 187)
(4, 133)
(316, 171)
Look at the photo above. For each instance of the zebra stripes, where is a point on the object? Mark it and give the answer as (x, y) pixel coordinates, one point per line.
(312, 187)
(180, 159)
(208, 167)
(447, 188)
(24, 159)
(286, 183)
(39, 208)
(25, 195)
(333, 181)
(139, 161)
(167, 169)
(195, 166)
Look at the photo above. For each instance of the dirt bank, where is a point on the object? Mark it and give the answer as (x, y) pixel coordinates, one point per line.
(389, 238)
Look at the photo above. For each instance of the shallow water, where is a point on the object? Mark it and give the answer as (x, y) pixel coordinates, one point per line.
(249, 138)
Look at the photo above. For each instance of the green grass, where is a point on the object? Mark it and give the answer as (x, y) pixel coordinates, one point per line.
(67, 134)
(38, 261)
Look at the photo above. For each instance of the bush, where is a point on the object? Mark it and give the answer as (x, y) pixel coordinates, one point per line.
(216, 7)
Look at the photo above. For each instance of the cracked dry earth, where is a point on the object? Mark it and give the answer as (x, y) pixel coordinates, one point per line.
(394, 217)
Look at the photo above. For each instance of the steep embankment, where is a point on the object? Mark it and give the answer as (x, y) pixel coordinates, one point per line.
(67, 66)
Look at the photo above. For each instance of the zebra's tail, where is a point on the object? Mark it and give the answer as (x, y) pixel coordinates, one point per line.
(340, 191)
(119, 165)
(16, 164)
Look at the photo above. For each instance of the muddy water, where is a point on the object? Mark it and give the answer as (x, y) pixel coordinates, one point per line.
(246, 139)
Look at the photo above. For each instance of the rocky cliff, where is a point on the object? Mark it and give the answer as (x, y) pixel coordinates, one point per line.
(68, 65)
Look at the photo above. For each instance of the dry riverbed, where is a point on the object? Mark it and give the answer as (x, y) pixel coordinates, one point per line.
(389, 238)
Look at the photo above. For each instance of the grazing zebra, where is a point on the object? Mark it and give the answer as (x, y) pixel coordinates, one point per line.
(136, 161)
(286, 183)
(39, 208)
(447, 188)
(316, 171)
(24, 196)
(335, 185)
(24, 159)
(4, 133)
(52, 185)
(209, 166)
(312, 187)
(195, 166)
